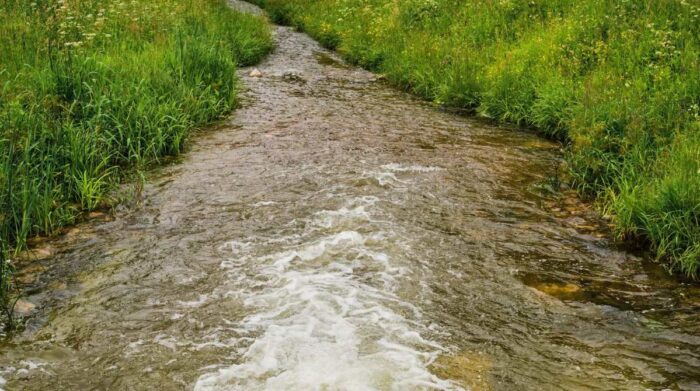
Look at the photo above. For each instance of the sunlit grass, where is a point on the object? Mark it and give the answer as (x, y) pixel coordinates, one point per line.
(618, 81)
(90, 87)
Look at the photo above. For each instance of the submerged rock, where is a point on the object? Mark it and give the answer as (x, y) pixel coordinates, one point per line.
(29, 274)
(57, 286)
(23, 307)
(37, 254)
(293, 76)
(560, 290)
(468, 369)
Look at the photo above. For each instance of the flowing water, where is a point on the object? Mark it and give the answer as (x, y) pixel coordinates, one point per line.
(337, 234)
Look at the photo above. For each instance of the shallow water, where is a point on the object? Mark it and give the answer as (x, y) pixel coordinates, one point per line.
(337, 234)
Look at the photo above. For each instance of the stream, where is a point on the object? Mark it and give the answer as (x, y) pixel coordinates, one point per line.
(338, 234)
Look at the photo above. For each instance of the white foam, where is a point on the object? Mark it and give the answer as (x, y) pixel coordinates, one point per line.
(134, 345)
(5, 371)
(410, 168)
(263, 203)
(386, 174)
(382, 177)
(166, 340)
(194, 303)
(327, 317)
(24, 368)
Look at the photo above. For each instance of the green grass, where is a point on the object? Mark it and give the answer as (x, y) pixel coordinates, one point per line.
(617, 81)
(92, 88)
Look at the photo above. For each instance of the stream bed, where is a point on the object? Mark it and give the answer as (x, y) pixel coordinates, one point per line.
(338, 234)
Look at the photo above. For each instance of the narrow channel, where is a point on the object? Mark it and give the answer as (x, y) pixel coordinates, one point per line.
(338, 234)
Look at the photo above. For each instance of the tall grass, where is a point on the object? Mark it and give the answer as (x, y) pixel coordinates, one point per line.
(90, 87)
(618, 81)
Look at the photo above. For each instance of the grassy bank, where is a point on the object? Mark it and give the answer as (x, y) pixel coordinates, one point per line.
(89, 88)
(619, 81)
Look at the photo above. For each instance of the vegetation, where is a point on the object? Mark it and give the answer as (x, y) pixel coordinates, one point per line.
(618, 81)
(91, 87)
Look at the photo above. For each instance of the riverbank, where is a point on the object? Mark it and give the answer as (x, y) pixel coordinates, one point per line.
(90, 90)
(618, 82)
(336, 232)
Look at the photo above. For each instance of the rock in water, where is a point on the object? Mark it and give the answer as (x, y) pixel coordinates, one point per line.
(470, 370)
(23, 307)
(255, 73)
(559, 290)
(293, 76)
